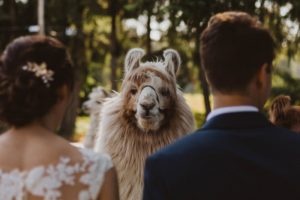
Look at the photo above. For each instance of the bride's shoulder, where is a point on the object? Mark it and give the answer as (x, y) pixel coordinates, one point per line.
(89, 171)
(87, 156)
(90, 156)
(97, 165)
(97, 162)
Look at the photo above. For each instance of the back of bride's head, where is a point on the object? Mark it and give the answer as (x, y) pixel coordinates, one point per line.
(32, 70)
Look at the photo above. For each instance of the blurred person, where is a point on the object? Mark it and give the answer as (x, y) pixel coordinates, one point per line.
(238, 153)
(36, 80)
(282, 113)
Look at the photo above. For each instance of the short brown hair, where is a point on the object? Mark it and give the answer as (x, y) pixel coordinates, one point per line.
(233, 48)
(282, 113)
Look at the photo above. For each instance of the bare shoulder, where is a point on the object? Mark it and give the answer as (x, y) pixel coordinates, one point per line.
(24, 148)
(66, 148)
(110, 190)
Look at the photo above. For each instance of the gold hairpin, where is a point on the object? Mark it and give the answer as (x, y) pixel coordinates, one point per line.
(40, 71)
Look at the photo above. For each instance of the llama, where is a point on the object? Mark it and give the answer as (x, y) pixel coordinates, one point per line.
(148, 114)
(92, 107)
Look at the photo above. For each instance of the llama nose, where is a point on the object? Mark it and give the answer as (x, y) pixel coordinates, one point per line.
(86, 108)
(147, 106)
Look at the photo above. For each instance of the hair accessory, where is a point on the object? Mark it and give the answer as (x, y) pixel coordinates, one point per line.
(40, 70)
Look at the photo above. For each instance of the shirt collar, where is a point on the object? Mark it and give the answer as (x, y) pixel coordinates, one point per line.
(231, 109)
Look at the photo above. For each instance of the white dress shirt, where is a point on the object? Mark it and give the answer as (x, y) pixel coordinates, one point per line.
(231, 109)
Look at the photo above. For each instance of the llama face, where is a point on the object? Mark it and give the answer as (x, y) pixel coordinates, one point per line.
(150, 97)
(96, 98)
(150, 92)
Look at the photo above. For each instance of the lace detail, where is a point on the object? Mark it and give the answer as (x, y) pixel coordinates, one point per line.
(46, 181)
(95, 175)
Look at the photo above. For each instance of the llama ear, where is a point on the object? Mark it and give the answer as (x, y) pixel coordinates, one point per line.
(133, 58)
(172, 61)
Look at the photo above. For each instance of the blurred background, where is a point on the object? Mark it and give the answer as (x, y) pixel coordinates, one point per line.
(98, 34)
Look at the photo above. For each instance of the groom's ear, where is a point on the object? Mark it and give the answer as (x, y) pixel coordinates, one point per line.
(263, 76)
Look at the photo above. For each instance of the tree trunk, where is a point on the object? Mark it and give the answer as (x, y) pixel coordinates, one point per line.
(68, 124)
(148, 36)
(41, 16)
(13, 13)
(261, 14)
(12, 7)
(203, 82)
(113, 45)
(78, 53)
(172, 30)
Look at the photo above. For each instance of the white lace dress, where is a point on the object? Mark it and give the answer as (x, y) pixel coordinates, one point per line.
(45, 182)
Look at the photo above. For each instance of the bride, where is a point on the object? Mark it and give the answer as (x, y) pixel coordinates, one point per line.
(36, 79)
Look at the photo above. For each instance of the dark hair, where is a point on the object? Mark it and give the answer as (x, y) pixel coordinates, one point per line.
(282, 113)
(24, 96)
(233, 48)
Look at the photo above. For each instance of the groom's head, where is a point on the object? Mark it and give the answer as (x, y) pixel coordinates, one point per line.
(237, 54)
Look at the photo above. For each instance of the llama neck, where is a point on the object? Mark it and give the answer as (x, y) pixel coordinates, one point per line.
(129, 146)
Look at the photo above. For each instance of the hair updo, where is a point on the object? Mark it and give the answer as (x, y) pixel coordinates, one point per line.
(24, 95)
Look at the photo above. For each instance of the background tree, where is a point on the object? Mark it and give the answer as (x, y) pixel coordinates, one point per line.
(195, 14)
(98, 36)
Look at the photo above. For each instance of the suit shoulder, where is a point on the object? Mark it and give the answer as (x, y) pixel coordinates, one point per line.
(215, 141)
(199, 139)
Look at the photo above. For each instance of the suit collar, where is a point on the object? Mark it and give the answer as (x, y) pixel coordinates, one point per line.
(238, 120)
(231, 109)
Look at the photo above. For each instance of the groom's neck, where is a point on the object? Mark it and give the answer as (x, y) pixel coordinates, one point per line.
(224, 100)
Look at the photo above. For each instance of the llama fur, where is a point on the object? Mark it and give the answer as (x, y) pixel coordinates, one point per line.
(93, 107)
(120, 134)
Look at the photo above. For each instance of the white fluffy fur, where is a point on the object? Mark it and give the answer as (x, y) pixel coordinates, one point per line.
(93, 107)
(127, 143)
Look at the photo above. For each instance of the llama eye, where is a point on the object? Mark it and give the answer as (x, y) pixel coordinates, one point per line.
(133, 91)
(165, 92)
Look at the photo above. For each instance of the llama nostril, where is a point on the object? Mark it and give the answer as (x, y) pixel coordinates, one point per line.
(85, 108)
(147, 106)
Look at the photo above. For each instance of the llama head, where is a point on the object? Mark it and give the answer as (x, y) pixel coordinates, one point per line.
(149, 89)
(96, 98)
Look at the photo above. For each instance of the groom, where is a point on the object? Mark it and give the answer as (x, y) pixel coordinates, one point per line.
(237, 154)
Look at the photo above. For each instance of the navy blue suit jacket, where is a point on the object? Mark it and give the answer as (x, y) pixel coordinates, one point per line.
(234, 156)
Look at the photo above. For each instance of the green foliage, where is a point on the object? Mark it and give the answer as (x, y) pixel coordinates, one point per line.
(93, 46)
(199, 119)
(95, 19)
(290, 86)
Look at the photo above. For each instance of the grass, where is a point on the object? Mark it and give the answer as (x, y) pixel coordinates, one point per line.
(195, 101)
(82, 126)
